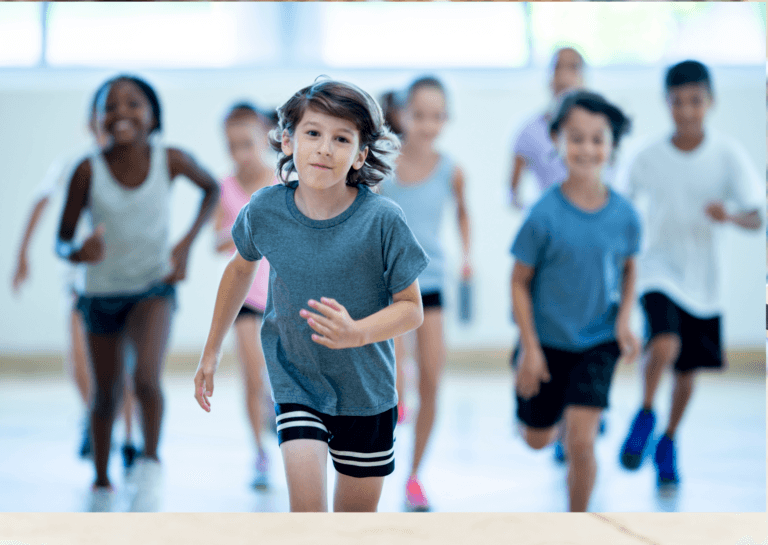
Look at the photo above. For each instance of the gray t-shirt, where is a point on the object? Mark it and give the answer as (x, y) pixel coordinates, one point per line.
(360, 258)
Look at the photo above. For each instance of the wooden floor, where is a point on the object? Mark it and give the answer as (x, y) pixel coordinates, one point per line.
(476, 463)
(382, 529)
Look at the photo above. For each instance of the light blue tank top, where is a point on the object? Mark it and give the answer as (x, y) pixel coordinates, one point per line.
(424, 203)
(136, 222)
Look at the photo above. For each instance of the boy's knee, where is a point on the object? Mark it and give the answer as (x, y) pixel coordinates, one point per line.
(580, 448)
(536, 438)
(666, 347)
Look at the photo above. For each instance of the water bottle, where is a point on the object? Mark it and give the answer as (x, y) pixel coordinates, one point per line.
(465, 301)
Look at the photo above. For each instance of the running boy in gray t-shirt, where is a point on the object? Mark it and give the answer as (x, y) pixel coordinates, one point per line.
(342, 283)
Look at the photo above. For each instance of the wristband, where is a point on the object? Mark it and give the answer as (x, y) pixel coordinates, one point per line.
(65, 249)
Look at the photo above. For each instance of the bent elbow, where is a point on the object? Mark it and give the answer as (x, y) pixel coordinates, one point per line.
(418, 316)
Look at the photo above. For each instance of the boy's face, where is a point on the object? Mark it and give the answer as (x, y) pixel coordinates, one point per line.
(425, 116)
(568, 72)
(246, 141)
(585, 142)
(689, 105)
(324, 148)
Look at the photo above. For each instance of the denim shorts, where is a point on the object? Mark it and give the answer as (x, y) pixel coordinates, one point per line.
(107, 315)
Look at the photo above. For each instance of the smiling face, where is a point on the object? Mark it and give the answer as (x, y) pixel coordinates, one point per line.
(125, 114)
(324, 149)
(689, 105)
(587, 141)
(425, 115)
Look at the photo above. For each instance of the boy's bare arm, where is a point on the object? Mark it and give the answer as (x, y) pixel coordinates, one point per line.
(234, 286)
(334, 327)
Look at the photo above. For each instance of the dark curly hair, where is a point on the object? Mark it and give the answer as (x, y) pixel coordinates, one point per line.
(346, 101)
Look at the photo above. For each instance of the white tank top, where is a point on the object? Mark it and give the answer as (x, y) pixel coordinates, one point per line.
(136, 222)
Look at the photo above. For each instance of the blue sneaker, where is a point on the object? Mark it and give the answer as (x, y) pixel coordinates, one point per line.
(637, 440)
(560, 457)
(666, 468)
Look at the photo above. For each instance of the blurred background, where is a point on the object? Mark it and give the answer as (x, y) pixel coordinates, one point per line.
(494, 59)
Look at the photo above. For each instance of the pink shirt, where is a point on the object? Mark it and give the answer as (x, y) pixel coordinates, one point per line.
(233, 198)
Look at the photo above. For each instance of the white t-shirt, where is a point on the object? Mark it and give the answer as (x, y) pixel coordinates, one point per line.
(672, 189)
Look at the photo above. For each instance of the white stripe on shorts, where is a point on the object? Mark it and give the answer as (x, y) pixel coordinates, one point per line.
(305, 423)
(296, 414)
(362, 454)
(363, 464)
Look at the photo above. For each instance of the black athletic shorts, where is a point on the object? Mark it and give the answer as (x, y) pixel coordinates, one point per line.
(700, 345)
(577, 378)
(360, 446)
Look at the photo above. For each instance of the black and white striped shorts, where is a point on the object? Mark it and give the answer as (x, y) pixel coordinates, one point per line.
(360, 446)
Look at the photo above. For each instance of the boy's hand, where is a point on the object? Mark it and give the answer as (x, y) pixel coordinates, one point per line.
(531, 372)
(335, 328)
(204, 380)
(716, 211)
(628, 343)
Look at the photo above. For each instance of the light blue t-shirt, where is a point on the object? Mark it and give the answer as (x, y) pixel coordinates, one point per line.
(424, 203)
(578, 257)
(360, 258)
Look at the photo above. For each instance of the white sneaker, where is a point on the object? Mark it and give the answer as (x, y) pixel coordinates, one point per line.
(101, 499)
(147, 477)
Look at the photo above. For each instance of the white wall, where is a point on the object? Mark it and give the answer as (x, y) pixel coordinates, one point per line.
(42, 117)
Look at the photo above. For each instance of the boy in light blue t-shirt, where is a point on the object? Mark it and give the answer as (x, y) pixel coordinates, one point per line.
(573, 290)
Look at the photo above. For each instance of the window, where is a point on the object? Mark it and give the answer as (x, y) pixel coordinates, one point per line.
(431, 35)
(20, 33)
(161, 34)
(650, 32)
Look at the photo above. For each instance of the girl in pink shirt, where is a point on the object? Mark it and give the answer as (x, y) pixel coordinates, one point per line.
(246, 130)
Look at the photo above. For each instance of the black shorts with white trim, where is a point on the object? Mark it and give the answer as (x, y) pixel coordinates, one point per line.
(360, 446)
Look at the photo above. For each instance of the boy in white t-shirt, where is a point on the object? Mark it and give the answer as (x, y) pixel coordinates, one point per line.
(687, 178)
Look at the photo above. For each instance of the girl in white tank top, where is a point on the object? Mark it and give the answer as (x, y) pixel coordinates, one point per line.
(127, 292)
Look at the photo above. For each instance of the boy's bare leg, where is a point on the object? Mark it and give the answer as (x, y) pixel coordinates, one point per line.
(663, 351)
(359, 495)
(305, 463)
(538, 438)
(581, 430)
(681, 395)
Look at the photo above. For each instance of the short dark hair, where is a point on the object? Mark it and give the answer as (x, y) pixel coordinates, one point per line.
(244, 110)
(145, 88)
(595, 103)
(422, 82)
(346, 101)
(687, 72)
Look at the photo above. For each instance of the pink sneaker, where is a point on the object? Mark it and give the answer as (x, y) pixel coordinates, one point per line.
(401, 413)
(415, 500)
